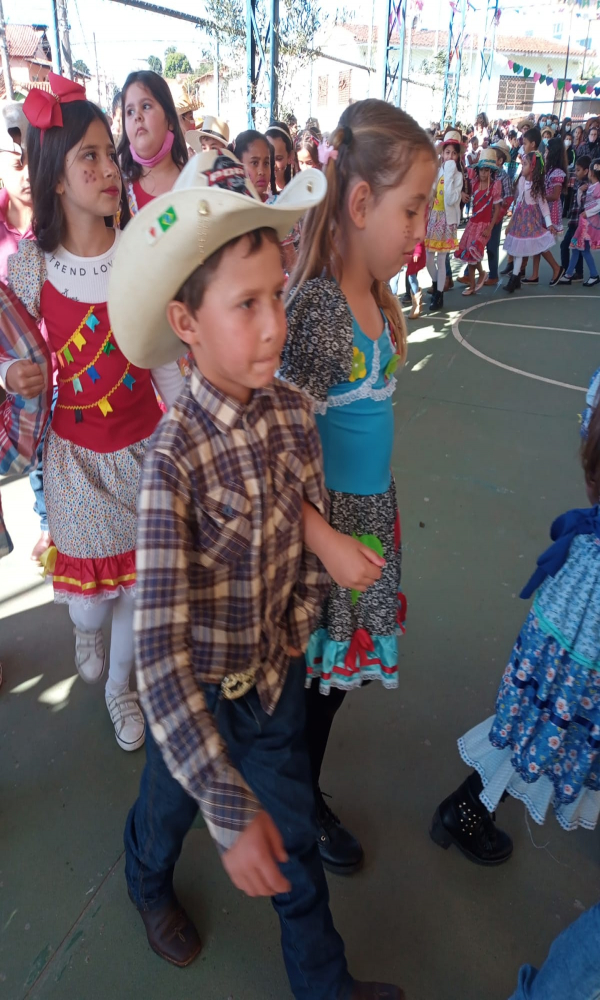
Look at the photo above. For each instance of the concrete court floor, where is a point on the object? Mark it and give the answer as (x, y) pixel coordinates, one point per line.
(484, 459)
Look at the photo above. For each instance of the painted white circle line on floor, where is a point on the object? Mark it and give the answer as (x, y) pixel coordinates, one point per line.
(500, 364)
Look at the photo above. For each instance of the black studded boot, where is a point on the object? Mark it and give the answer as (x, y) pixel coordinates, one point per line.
(341, 853)
(463, 820)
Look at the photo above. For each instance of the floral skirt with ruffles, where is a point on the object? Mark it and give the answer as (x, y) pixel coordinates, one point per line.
(91, 499)
(357, 637)
(543, 744)
(441, 235)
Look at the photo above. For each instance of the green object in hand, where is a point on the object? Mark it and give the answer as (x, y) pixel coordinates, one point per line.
(372, 542)
(390, 368)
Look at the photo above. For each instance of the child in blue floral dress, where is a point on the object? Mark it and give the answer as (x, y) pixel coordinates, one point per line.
(543, 743)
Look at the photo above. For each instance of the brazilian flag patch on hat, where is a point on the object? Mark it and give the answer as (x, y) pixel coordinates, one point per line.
(167, 219)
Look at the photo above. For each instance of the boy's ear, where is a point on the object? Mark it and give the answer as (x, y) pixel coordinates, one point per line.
(182, 322)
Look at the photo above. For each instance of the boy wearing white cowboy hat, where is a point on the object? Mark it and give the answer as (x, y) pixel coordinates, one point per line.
(214, 134)
(227, 592)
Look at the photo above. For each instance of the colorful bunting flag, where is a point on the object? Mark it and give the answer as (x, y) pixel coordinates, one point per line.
(79, 341)
(92, 322)
(108, 347)
(93, 374)
(129, 381)
(78, 417)
(105, 407)
(77, 385)
(68, 355)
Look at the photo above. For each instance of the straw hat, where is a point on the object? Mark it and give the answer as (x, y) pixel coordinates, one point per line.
(12, 117)
(212, 128)
(487, 158)
(211, 203)
(504, 148)
(199, 117)
(452, 138)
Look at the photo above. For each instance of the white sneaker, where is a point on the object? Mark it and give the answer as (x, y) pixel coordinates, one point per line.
(90, 656)
(127, 718)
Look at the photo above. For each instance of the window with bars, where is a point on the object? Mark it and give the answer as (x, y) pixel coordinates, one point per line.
(515, 93)
(344, 87)
(323, 90)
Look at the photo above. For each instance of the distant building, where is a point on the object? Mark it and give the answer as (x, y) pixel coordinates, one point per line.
(30, 59)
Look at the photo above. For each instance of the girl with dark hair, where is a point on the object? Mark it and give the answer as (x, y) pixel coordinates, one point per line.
(530, 231)
(346, 337)
(577, 139)
(541, 746)
(106, 409)
(307, 151)
(255, 153)
(279, 136)
(555, 184)
(152, 150)
(587, 235)
(591, 145)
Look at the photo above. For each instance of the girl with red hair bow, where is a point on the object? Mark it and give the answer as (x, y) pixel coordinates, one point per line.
(106, 409)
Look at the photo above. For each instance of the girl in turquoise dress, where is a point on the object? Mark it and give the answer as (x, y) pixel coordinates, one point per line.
(346, 339)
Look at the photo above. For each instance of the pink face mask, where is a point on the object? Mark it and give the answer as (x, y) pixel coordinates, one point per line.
(164, 150)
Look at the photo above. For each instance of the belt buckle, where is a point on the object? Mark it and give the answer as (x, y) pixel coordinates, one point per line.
(235, 686)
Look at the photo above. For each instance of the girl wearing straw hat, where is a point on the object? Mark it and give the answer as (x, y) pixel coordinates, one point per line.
(444, 216)
(486, 208)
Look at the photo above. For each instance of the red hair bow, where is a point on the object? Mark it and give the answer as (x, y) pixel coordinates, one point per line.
(43, 109)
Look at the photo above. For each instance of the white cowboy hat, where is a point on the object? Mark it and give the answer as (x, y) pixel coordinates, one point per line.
(212, 128)
(211, 203)
(12, 117)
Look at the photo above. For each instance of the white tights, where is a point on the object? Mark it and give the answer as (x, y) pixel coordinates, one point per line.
(517, 265)
(122, 656)
(437, 274)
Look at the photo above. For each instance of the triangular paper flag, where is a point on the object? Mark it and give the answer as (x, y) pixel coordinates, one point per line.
(510, 63)
(105, 407)
(568, 85)
(542, 78)
(550, 82)
(526, 72)
(79, 341)
(589, 89)
(536, 77)
(575, 88)
(597, 91)
(561, 84)
(517, 68)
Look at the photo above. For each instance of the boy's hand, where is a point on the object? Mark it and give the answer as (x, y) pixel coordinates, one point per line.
(252, 862)
(294, 653)
(353, 565)
(25, 379)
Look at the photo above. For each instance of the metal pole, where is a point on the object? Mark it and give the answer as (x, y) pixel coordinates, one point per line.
(562, 93)
(459, 60)
(5, 61)
(55, 43)
(65, 41)
(250, 62)
(98, 70)
(274, 56)
(402, 34)
(216, 73)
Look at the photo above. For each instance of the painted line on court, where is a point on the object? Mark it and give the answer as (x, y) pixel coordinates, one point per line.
(500, 364)
(527, 326)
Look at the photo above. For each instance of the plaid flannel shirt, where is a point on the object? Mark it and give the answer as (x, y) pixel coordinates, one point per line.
(224, 581)
(577, 203)
(21, 421)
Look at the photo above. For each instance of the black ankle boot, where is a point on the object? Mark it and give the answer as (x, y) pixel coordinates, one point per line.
(508, 269)
(513, 283)
(341, 853)
(463, 820)
(437, 301)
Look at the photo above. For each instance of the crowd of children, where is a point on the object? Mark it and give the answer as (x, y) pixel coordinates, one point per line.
(249, 564)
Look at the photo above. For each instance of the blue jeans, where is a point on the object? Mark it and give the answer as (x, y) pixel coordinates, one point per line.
(572, 969)
(565, 250)
(576, 255)
(36, 476)
(493, 250)
(271, 754)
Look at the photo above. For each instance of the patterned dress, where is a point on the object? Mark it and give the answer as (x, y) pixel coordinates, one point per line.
(527, 233)
(588, 228)
(105, 413)
(542, 745)
(556, 178)
(473, 242)
(350, 380)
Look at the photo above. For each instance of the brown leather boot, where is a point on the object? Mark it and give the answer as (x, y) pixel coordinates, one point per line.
(449, 283)
(171, 933)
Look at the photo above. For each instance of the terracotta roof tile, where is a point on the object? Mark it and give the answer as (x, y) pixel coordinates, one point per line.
(507, 44)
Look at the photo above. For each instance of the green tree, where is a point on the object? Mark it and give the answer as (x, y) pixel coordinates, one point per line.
(80, 67)
(177, 62)
(155, 64)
